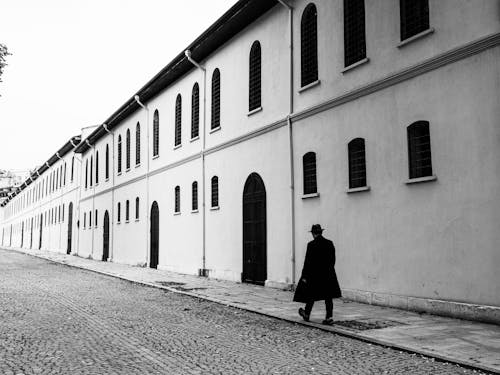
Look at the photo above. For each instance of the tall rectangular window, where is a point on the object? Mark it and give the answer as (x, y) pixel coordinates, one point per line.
(215, 191)
(414, 17)
(177, 199)
(309, 169)
(156, 133)
(357, 163)
(195, 111)
(309, 45)
(194, 194)
(354, 31)
(419, 150)
(254, 83)
(178, 120)
(215, 99)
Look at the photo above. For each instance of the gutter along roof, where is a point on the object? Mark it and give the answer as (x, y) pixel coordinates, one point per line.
(67, 147)
(239, 16)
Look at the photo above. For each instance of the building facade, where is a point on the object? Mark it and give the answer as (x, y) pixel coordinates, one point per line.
(377, 119)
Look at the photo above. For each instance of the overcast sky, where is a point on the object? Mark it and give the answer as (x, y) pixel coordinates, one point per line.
(74, 62)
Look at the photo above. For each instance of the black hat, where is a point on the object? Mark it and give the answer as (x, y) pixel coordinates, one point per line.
(316, 229)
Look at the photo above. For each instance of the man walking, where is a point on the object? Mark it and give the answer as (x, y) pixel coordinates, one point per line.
(319, 280)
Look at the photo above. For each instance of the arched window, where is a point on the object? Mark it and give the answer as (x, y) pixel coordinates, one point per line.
(195, 111)
(72, 167)
(156, 133)
(215, 191)
(354, 31)
(414, 17)
(97, 167)
(137, 208)
(107, 162)
(254, 82)
(119, 154)
(357, 163)
(127, 141)
(138, 144)
(178, 120)
(177, 199)
(119, 212)
(309, 45)
(309, 167)
(86, 172)
(215, 99)
(95, 219)
(419, 150)
(194, 196)
(127, 210)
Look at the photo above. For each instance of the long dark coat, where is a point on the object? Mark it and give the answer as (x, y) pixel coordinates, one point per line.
(319, 273)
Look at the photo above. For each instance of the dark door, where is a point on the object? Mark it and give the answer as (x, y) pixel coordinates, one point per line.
(155, 235)
(22, 234)
(31, 234)
(105, 238)
(254, 231)
(70, 227)
(41, 226)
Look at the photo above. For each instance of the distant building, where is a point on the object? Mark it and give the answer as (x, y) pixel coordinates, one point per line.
(377, 119)
(9, 182)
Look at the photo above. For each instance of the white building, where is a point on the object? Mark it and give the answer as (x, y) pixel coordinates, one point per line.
(377, 119)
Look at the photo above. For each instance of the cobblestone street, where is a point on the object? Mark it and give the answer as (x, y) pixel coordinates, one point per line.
(60, 320)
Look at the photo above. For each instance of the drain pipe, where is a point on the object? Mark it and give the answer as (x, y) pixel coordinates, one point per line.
(290, 139)
(105, 126)
(203, 271)
(148, 234)
(92, 213)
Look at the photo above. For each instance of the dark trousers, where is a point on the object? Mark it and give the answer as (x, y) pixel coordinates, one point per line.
(328, 305)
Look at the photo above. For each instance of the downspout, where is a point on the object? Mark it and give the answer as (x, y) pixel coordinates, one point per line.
(290, 139)
(92, 213)
(148, 214)
(110, 256)
(203, 271)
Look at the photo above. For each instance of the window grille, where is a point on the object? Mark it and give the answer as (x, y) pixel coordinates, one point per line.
(137, 208)
(63, 213)
(254, 84)
(156, 133)
(194, 193)
(119, 154)
(64, 182)
(414, 17)
(309, 46)
(97, 167)
(138, 144)
(127, 160)
(215, 191)
(86, 172)
(127, 210)
(309, 166)
(84, 220)
(215, 99)
(90, 219)
(118, 213)
(354, 31)
(357, 163)
(178, 120)
(72, 167)
(107, 162)
(177, 199)
(91, 170)
(419, 150)
(195, 111)
(95, 219)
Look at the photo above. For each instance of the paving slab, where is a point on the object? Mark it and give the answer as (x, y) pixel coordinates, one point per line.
(468, 343)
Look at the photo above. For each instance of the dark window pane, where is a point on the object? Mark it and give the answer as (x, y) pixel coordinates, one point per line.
(309, 46)
(194, 193)
(254, 95)
(178, 120)
(156, 133)
(215, 191)
(309, 166)
(414, 17)
(137, 144)
(195, 111)
(357, 163)
(354, 31)
(177, 199)
(419, 150)
(215, 99)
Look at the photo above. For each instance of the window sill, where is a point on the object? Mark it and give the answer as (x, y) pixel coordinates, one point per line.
(254, 111)
(420, 179)
(194, 211)
(309, 86)
(138, 165)
(177, 213)
(106, 180)
(194, 139)
(178, 146)
(156, 157)
(312, 195)
(214, 130)
(119, 222)
(214, 208)
(357, 190)
(355, 65)
(415, 37)
(96, 185)
(127, 170)
(126, 221)
(136, 220)
(119, 174)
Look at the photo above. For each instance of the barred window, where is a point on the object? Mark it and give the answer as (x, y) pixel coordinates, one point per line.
(254, 84)
(215, 191)
(118, 212)
(156, 133)
(97, 167)
(72, 167)
(177, 199)
(91, 169)
(309, 45)
(419, 150)
(195, 111)
(354, 31)
(309, 167)
(64, 182)
(90, 219)
(357, 163)
(84, 219)
(119, 154)
(178, 120)
(414, 17)
(107, 161)
(95, 219)
(138, 144)
(127, 160)
(194, 196)
(86, 172)
(127, 210)
(137, 208)
(63, 213)
(215, 99)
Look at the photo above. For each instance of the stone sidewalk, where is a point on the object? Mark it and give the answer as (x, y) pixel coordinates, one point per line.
(465, 342)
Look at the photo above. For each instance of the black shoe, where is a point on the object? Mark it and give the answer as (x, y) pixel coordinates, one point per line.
(328, 321)
(303, 314)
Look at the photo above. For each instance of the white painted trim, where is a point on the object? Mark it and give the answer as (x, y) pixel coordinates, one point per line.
(357, 190)
(194, 211)
(309, 86)
(254, 111)
(415, 37)
(355, 65)
(177, 213)
(214, 208)
(214, 129)
(156, 156)
(312, 195)
(178, 146)
(420, 179)
(194, 139)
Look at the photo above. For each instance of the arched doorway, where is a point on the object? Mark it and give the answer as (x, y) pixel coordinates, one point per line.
(41, 226)
(31, 234)
(105, 238)
(70, 228)
(254, 231)
(154, 235)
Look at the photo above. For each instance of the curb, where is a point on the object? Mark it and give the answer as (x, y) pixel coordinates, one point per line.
(331, 329)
